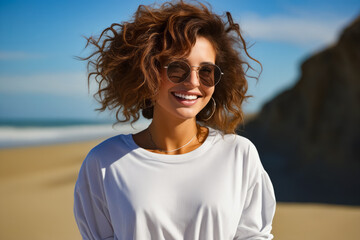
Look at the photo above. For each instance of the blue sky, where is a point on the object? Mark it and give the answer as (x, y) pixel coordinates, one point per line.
(39, 77)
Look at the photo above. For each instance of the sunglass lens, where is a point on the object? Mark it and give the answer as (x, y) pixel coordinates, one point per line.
(178, 71)
(209, 74)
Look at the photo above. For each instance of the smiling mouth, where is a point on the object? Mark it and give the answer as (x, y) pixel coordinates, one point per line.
(189, 97)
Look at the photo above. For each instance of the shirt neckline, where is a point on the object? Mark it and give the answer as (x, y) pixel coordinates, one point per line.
(177, 157)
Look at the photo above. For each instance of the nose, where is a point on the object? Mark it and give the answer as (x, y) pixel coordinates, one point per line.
(193, 79)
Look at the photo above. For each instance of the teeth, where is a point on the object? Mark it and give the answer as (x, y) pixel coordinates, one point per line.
(187, 97)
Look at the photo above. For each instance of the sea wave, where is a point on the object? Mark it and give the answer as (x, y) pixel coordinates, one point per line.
(29, 136)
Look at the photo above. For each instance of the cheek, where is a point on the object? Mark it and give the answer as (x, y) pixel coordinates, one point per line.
(164, 87)
(165, 83)
(209, 92)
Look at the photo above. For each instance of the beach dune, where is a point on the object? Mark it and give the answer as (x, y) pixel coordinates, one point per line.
(36, 185)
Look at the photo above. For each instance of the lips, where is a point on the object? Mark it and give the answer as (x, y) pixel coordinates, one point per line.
(186, 98)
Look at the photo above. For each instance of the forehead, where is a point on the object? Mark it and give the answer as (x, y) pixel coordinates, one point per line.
(202, 51)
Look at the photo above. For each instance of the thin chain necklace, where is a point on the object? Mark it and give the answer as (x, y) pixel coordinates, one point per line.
(173, 150)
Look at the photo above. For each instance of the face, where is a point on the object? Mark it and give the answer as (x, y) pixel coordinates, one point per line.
(186, 99)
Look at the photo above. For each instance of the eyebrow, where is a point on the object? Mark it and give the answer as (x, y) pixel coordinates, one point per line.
(207, 63)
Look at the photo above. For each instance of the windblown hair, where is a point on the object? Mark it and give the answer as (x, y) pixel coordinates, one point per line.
(128, 60)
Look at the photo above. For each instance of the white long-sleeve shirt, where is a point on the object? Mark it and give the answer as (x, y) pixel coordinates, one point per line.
(218, 191)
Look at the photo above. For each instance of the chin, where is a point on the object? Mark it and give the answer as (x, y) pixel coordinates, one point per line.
(186, 114)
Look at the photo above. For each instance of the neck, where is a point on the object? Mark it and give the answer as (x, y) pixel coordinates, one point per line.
(171, 133)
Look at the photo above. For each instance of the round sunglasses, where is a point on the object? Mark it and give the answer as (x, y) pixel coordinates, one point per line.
(208, 73)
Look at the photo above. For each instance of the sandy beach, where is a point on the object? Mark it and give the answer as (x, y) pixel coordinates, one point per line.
(36, 185)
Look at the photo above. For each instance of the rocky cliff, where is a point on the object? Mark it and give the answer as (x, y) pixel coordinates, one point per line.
(308, 137)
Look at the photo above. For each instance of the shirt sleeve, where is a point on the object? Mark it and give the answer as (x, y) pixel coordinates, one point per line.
(259, 207)
(90, 208)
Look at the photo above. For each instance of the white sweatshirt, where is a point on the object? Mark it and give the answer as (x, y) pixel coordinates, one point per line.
(219, 191)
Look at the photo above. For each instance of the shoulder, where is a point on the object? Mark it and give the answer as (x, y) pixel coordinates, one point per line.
(238, 142)
(247, 158)
(100, 157)
(237, 147)
(109, 150)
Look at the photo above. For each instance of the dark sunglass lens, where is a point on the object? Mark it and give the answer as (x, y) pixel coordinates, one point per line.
(178, 71)
(209, 74)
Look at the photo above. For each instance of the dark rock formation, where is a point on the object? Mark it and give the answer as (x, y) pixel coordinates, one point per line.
(308, 137)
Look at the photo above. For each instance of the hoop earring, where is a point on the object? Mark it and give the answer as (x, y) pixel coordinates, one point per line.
(213, 111)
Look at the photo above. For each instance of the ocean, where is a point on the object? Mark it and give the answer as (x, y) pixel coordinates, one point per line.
(25, 132)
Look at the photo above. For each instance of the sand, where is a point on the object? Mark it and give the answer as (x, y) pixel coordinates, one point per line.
(36, 185)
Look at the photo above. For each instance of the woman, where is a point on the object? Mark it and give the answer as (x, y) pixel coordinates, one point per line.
(186, 176)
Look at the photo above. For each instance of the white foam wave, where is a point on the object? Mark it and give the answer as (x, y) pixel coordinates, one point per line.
(27, 136)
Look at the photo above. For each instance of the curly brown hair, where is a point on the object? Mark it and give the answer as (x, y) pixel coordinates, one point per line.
(128, 59)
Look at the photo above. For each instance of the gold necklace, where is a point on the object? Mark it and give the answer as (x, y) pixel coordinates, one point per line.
(173, 150)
